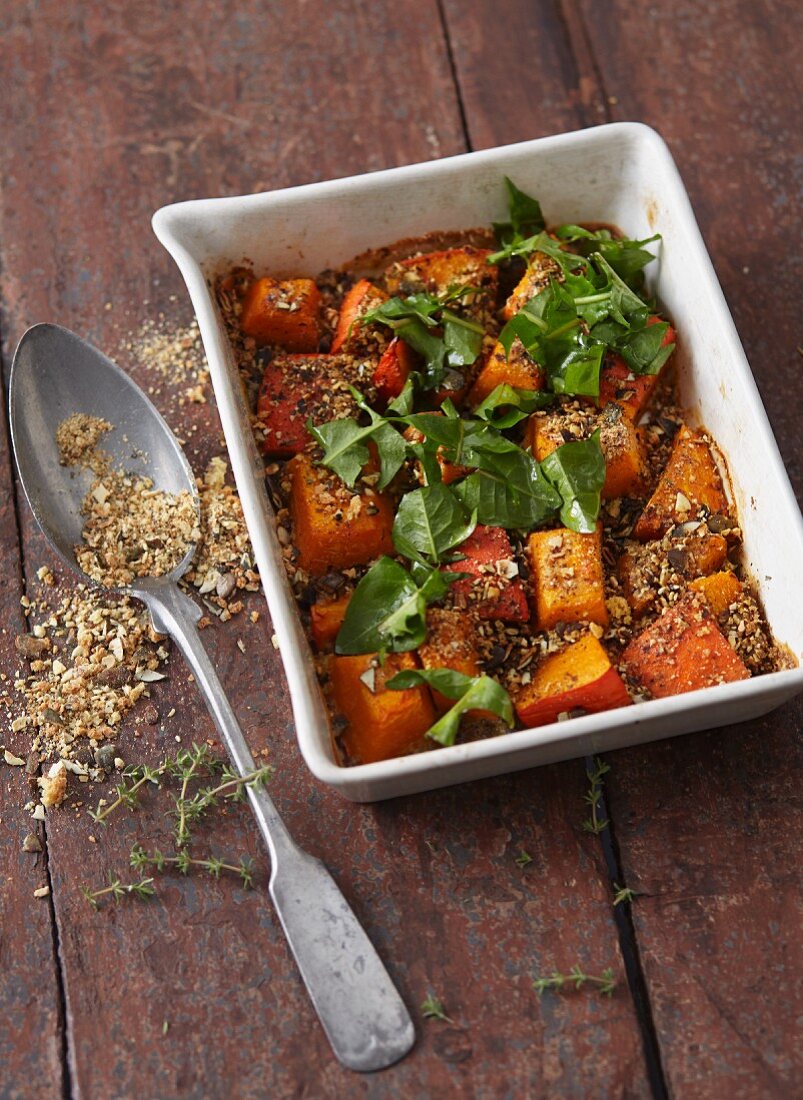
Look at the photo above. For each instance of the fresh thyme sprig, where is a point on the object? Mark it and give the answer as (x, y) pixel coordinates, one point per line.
(605, 982)
(623, 894)
(188, 767)
(232, 789)
(188, 764)
(128, 795)
(594, 795)
(183, 863)
(118, 890)
(432, 1009)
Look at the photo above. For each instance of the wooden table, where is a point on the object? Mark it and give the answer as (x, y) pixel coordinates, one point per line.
(110, 110)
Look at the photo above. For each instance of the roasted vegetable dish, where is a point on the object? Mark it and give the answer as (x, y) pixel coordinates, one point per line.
(492, 513)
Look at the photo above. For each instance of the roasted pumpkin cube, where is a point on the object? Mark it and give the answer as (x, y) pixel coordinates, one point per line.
(644, 568)
(633, 392)
(619, 439)
(493, 589)
(393, 369)
(334, 527)
(437, 272)
(691, 479)
(567, 577)
(381, 723)
(296, 388)
(351, 337)
(577, 678)
(536, 278)
(720, 590)
(519, 371)
(326, 619)
(282, 313)
(618, 383)
(451, 643)
(683, 650)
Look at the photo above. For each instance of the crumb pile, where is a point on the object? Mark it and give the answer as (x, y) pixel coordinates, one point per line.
(223, 566)
(132, 529)
(175, 356)
(89, 660)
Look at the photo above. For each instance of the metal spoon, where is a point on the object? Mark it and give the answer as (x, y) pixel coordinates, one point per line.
(55, 374)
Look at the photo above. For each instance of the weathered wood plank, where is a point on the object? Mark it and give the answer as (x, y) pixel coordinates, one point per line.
(715, 852)
(146, 106)
(706, 824)
(30, 1008)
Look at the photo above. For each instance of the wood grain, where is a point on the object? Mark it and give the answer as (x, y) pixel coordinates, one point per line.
(705, 824)
(31, 1030)
(146, 105)
(714, 852)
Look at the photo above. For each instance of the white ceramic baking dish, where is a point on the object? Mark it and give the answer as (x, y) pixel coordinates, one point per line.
(621, 174)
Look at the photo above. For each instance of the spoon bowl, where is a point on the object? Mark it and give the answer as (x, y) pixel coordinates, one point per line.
(55, 374)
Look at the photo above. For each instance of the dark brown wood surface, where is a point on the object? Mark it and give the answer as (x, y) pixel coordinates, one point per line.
(109, 111)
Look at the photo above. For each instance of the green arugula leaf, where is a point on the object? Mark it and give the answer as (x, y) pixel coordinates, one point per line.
(404, 404)
(508, 489)
(439, 335)
(429, 522)
(525, 215)
(505, 406)
(344, 444)
(387, 611)
(578, 372)
(471, 693)
(577, 472)
(461, 338)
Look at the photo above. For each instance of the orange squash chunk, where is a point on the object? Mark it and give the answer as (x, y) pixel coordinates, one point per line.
(488, 558)
(632, 391)
(580, 676)
(283, 313)
(567, 577)
(294, 389)
(682, 651)
(619, 439)
(437, 272)
(450, 643)
(691, 479)
(541, 269)
(641, 568)
(720, 589)
(381, 723)
(519, 371)
(350, 336)
(333, 527)
(326, 619)
(393, 369)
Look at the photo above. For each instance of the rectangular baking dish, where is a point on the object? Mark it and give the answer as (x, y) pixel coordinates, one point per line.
(622, 174)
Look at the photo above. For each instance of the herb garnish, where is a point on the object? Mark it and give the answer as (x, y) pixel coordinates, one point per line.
(432, 1009)
(526, 218)
(577, 472)
(345, 444)
(596, 772)
(387, 611)
(429, 522)
(470, 693)
(505, 406)
(441, 336)
(578, 978)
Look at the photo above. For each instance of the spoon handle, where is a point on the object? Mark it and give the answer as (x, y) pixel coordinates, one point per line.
(361, 1012)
